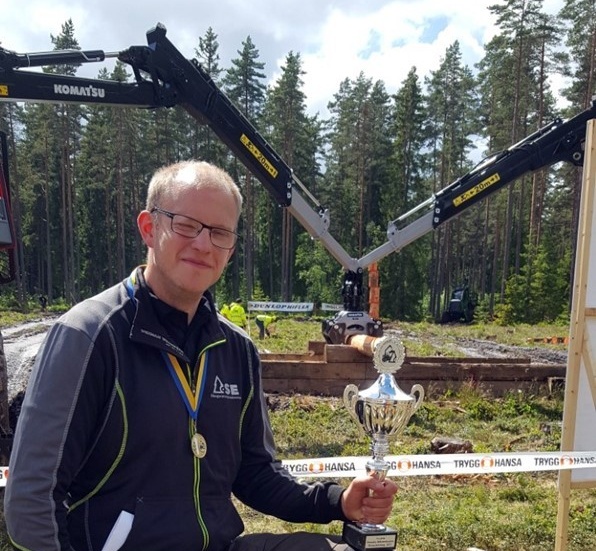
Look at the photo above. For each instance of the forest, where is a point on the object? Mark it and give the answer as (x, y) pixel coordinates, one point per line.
(78, 175)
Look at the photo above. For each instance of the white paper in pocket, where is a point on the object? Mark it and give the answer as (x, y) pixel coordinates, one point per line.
(119, 532)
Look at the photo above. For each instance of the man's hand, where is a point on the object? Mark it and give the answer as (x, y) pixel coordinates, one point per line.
(367, 499)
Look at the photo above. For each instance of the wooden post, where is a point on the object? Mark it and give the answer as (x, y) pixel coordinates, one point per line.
(374, 293)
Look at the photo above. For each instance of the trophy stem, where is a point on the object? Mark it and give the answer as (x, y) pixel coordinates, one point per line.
(377, 466)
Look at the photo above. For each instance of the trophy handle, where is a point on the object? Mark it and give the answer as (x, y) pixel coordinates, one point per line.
(417, 389)
(350, 397)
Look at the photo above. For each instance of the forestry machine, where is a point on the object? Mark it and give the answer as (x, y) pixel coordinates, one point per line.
(165, 78)
(461, 305)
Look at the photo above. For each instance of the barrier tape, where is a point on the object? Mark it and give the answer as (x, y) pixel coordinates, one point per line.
(427, 465)
(443, 464)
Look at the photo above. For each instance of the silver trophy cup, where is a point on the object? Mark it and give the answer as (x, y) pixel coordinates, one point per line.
(382, 411)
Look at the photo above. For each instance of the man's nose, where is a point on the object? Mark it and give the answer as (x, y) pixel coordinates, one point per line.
(202, 240)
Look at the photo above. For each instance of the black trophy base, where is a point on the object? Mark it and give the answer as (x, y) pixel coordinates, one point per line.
(366, 540)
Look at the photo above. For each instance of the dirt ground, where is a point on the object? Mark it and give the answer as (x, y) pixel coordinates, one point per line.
(479, 348)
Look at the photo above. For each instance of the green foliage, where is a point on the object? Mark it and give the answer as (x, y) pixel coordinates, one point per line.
(482, 313)
(289, 334)
(319, 275)
(476, 405)
(539, 293)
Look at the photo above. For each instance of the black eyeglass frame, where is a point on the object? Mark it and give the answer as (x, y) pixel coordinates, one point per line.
(202, 227)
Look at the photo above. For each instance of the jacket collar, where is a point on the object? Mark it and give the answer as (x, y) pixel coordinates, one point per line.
(149, 324)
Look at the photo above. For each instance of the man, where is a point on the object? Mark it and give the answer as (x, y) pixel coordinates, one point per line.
(236, 313)
(263, 322)
(145, 412)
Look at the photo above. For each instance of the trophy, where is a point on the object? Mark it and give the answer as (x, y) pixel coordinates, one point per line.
(382, 411)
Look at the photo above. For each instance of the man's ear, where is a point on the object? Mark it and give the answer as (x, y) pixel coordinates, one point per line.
(146, 225)
(230, 254)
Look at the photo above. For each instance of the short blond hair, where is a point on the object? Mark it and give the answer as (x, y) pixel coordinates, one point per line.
(198, 174)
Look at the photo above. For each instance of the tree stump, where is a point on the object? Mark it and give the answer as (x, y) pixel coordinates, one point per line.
(445, 445)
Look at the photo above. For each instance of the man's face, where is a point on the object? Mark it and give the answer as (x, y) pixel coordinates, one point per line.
(180, 269)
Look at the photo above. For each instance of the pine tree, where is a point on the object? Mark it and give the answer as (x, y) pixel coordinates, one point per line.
(579, 63)
(452, 121)
(47, 184)
(69, 122)
(403, 276)
(77, 183)
(293, 135)
(358, 162)
(205, 144)
(348, 160)
(516, 101)
(9, 118)
(113, 180)
(243, 83)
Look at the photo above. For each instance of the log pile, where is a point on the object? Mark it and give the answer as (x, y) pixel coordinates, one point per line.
(326, 369)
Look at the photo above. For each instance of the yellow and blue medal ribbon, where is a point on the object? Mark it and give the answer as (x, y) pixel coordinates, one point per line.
(191, 398)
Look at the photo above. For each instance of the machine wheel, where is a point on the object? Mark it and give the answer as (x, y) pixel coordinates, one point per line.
(446, 317)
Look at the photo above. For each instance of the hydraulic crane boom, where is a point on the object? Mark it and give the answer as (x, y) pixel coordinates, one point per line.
(164, 78)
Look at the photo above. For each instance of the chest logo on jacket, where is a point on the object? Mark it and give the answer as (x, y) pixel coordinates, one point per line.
(225, 390)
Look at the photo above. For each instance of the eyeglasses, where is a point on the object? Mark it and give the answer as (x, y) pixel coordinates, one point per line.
(189, 227)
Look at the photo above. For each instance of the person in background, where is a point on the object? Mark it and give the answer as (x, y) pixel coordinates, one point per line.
(237, 314)
(263, 322)
(145, 411)
(225, 311)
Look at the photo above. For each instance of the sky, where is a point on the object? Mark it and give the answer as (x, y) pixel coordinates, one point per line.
(382, 39)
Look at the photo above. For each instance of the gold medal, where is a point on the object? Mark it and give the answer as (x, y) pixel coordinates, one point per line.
(198, 445)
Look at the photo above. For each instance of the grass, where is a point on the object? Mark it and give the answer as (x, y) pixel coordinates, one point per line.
(501, 512)
(420, 339)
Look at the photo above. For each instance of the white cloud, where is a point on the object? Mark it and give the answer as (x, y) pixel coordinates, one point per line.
(404, 35)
